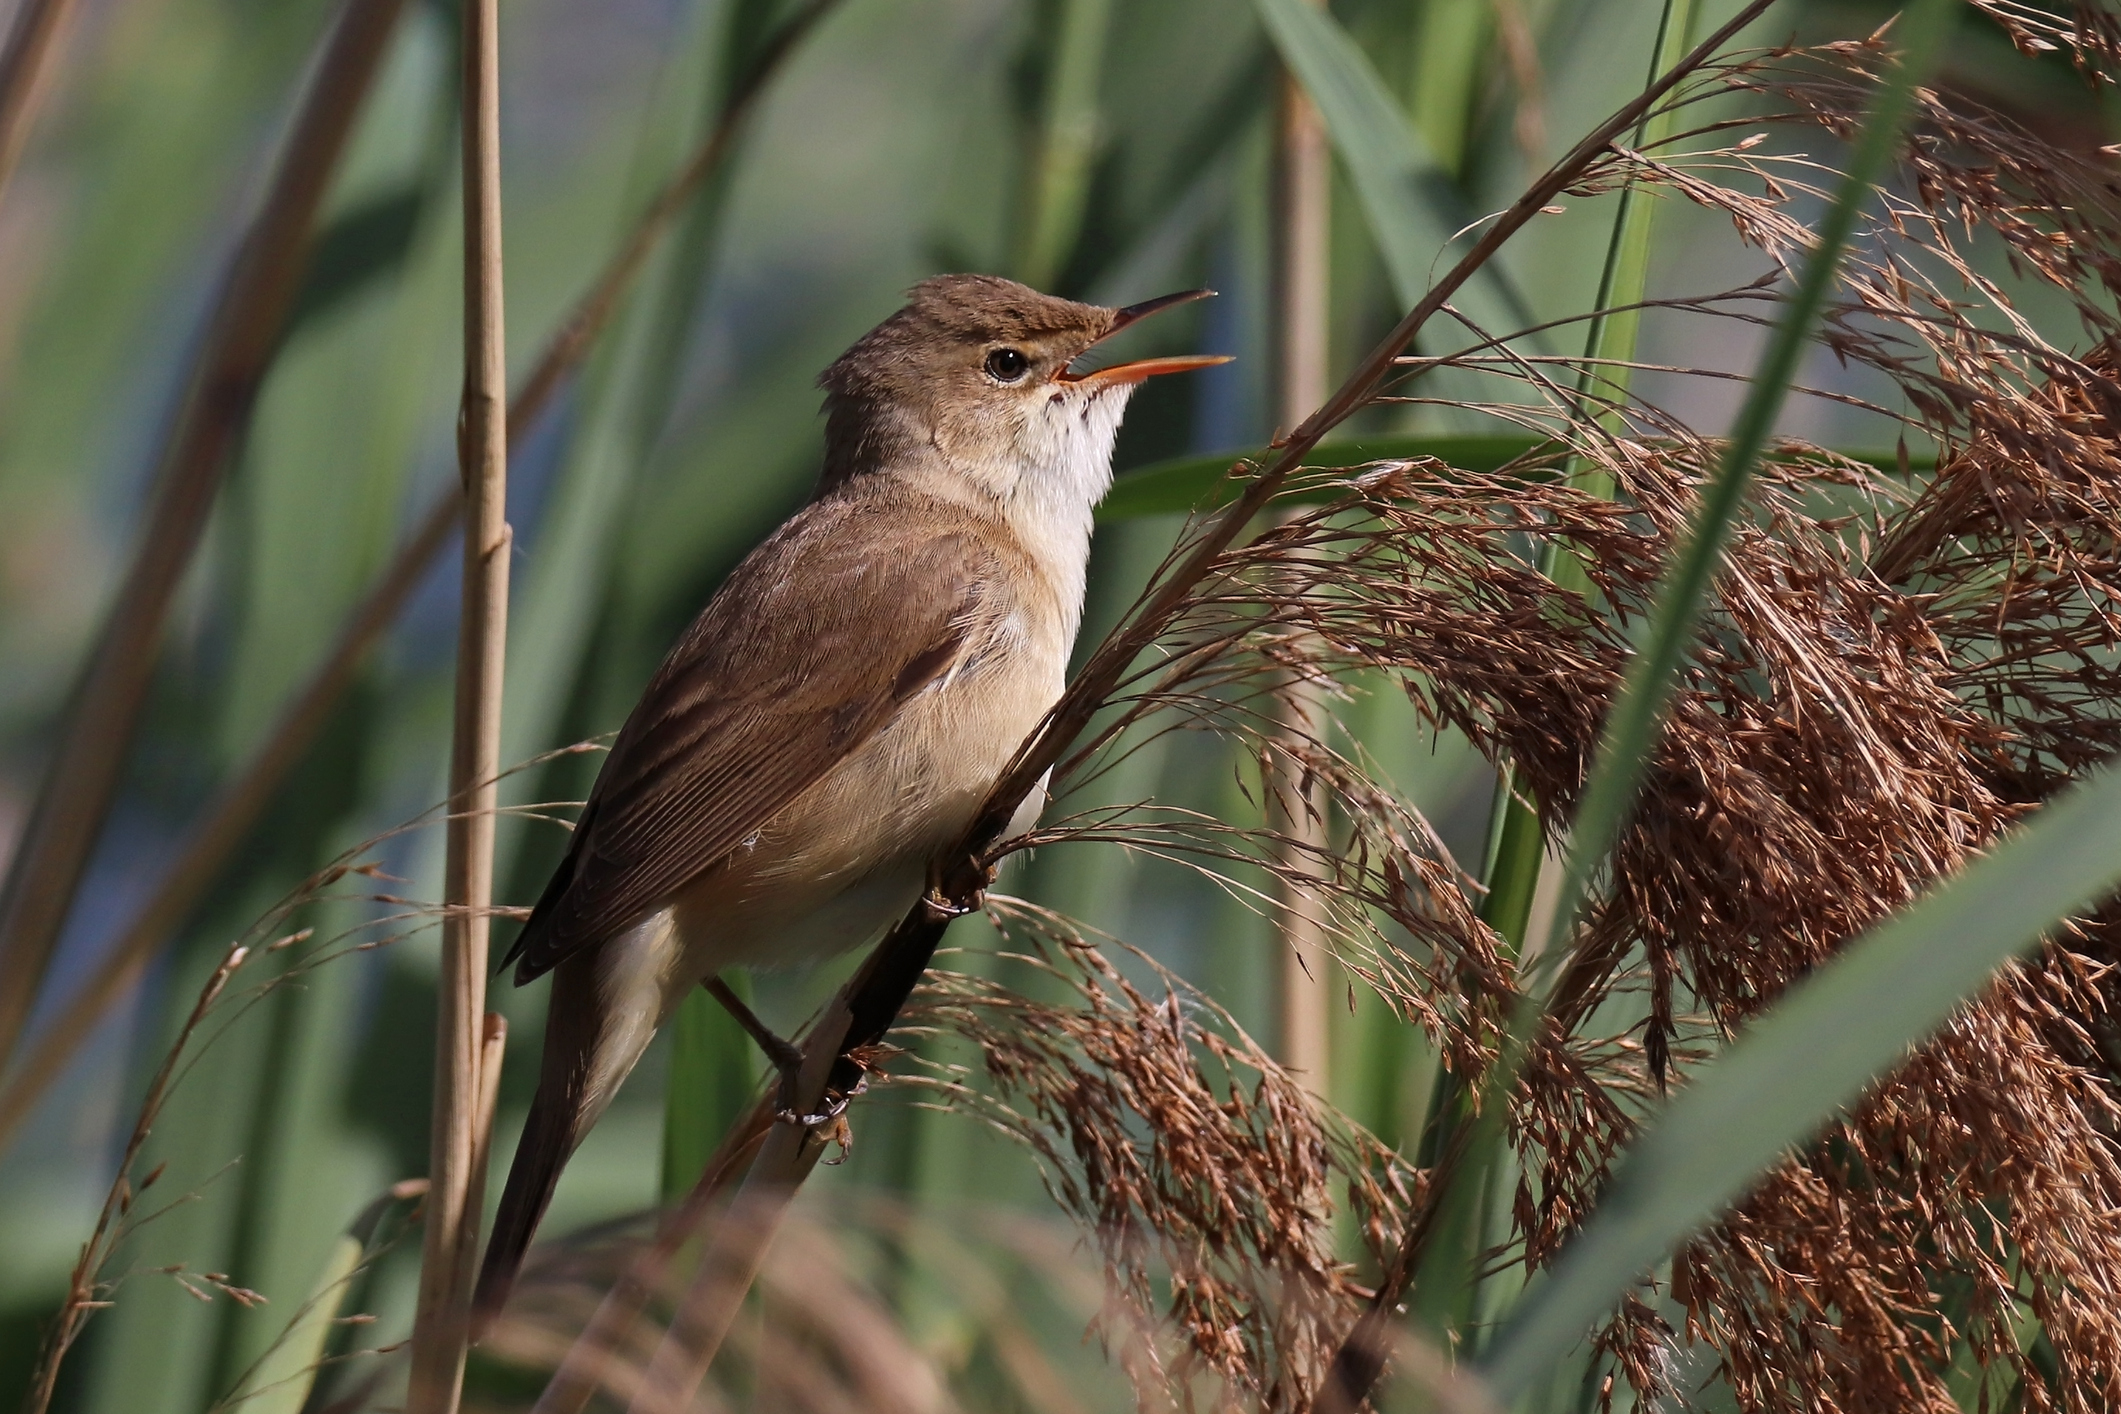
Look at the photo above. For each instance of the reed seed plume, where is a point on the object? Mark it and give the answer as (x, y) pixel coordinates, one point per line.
(1896, 665)
(1206, 1173)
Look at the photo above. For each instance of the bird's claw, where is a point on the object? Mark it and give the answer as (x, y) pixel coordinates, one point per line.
(834, 1106)
(942, 909)
(963, 890)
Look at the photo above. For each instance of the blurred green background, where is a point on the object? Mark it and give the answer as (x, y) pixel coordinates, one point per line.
(1102, 150)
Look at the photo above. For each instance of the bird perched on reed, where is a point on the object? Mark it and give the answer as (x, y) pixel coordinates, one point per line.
(830, 723)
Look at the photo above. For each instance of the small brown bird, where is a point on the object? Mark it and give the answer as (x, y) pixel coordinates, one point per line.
(833, 718)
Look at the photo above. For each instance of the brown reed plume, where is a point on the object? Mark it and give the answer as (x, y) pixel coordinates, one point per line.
(1206, 1172)
(1894, 668)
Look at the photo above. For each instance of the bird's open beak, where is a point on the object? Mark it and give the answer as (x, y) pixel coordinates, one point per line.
(1146, 368)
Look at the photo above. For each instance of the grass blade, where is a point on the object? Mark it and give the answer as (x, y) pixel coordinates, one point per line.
(1813, 1054)
(280, 1382)
(1058, 183)
(1518, 857)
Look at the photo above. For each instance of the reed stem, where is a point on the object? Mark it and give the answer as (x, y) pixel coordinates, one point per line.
(465, 1047)
(26, 74)
(1303, 279)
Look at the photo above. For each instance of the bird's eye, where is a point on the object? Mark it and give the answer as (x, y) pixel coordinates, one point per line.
(1007, 365)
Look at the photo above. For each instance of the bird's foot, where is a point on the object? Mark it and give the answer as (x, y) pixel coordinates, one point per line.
(832, 1111)
(783, 1054)
(959, 890)
(786, 1058)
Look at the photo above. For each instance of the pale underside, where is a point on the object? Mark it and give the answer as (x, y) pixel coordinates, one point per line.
(846, 858)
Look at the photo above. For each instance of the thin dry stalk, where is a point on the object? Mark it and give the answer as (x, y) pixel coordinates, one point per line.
(240, 804)
(463, 1090)
(105, 707)
(26, 74)
(1303, 300)
(85, 1292)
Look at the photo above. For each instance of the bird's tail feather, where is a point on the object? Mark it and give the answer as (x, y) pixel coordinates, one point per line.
(602, 1015)
(549, 1137)
(577, 1074)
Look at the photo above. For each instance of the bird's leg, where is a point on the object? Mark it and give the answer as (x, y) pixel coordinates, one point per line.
(785, 1055)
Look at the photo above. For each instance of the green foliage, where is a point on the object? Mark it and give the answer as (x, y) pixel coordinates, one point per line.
(1103, 150)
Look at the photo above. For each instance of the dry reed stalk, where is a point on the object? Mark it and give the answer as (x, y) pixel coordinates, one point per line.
(26, 74)
(240, 804)
(1303, 301)
(105, 706)
(463, 1089)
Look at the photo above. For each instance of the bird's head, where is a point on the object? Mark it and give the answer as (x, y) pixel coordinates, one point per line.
(975, 379)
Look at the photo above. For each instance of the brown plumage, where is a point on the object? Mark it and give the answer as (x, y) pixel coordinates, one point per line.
(835, 715)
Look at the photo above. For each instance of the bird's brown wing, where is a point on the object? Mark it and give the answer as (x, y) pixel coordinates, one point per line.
(808, 650)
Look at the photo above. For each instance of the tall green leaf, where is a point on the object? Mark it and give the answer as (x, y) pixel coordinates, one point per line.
(1519, 855)
(1057, 179)
(1412, 207)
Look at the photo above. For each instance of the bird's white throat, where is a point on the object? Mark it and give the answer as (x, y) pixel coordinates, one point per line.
(1064, 468)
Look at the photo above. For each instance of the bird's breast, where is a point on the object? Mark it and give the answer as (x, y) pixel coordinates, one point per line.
(914, 786)
(851, 853)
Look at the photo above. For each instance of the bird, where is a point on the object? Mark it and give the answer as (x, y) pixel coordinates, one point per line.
(834, 718)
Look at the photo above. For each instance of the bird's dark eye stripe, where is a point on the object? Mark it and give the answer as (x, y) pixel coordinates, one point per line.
(1007, 365)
